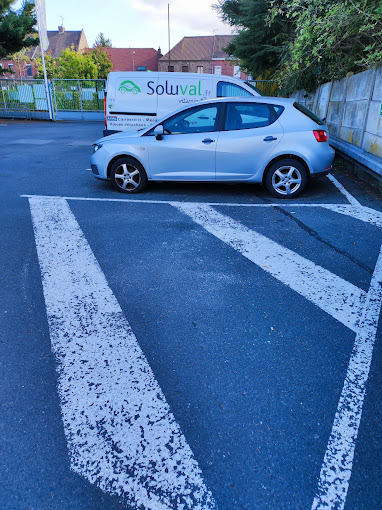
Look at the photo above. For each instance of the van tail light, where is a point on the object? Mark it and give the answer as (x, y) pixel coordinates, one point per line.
(321, 135)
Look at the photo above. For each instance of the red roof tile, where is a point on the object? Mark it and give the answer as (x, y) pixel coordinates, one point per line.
(203, 47)
(123, 58)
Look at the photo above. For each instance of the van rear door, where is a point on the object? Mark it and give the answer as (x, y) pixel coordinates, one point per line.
(131, 101)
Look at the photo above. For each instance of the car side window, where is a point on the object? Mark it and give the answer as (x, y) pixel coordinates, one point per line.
(194, 120)
(226, 89)
(250, 115)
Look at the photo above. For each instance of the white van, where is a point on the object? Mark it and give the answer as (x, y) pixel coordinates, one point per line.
(137, 99)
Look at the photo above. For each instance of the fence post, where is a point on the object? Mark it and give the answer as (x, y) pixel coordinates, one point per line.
(50, 99)
(80, 94)
(2, 92)
(328, 103)
(54, 95)
(368, 107)
(343, 106)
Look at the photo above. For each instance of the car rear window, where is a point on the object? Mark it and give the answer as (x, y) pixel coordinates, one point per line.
(309, 114)
(251, 115)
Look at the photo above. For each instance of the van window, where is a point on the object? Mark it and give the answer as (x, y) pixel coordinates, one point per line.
(226, 89)
(251, 115)
(201, 119)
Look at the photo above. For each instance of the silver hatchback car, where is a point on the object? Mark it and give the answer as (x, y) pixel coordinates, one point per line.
(267, 140)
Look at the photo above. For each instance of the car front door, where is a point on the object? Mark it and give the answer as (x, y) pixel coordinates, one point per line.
(251, 132)
(186, 151)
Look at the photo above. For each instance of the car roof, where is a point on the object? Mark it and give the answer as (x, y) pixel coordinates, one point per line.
(254, 99)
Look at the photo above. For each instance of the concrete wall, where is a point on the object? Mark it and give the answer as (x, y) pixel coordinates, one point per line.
(352, 108)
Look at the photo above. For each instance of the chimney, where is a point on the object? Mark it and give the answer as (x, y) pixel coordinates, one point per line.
(61, 29)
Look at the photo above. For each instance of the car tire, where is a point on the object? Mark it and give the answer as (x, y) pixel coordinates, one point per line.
(127, 175)
(286, 178)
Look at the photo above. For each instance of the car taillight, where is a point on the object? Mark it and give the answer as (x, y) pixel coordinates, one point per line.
(321, 135)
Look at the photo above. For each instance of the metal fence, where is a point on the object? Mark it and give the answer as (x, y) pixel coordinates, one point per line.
(70, 99)
(78, 99)
(23, 99)
(267, 87)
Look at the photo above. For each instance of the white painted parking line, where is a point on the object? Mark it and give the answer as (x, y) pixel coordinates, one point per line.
(345, 192)
(120, 431)
(361, 213)
(336, 296)
(338, 461)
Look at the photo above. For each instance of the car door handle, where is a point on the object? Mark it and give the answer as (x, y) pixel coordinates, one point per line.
(208, 140)
(269, 139)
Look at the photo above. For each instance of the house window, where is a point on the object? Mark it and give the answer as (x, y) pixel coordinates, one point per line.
(184, 69)
(29, 70)
(236, 71)
(10, 66)
(141, 68)
(170, 69)
(218, 69)
(199, 69)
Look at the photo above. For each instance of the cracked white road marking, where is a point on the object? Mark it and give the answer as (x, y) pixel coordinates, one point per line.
(353, 201)
(339, 298)
(338, 461)
(121, 434)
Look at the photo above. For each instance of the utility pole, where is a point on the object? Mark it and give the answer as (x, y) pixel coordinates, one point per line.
(168, 25)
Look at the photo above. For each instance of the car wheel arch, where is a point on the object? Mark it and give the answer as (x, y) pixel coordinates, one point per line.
(285, 156)
(119, 156)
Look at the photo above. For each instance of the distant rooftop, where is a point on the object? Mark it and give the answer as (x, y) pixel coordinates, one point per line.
(60, 40)
(200, 48)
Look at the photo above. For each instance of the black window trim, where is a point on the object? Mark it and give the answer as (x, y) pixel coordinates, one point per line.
(276, 117)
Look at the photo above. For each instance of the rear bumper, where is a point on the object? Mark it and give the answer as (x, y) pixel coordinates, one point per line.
(317, 175)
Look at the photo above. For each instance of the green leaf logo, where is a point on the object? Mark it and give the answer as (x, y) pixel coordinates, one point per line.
(128, 86)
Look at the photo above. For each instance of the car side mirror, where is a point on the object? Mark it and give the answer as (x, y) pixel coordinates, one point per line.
(158, 132)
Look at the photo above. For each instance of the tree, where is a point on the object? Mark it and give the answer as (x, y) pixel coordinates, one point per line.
(102, 61)
(102, 41)
(303, 43)
(16, 28)
(20, 58)
(257, 44)
(330, 39)
(69, 65)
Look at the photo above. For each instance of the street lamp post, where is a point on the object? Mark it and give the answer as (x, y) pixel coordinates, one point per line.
(132, 57)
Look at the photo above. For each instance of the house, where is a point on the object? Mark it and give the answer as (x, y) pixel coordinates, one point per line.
(201, 54)
(134, 59)
(58, 41)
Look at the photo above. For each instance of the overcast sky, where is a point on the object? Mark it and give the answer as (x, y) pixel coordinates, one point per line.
(136, 23)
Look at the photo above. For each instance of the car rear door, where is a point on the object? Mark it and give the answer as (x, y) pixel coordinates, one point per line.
(251, 132)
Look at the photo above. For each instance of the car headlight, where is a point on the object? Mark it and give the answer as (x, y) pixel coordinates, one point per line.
(96, 146)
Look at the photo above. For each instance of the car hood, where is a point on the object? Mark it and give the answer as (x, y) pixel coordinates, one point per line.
(119, 136)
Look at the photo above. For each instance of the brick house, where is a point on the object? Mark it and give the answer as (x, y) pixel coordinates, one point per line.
(201, 54)
(58, 41)
(134, 59)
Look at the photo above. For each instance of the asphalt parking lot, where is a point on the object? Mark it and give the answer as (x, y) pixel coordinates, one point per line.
(194, 346)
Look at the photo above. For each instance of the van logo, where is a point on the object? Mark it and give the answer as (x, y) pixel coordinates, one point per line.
(128, 86)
